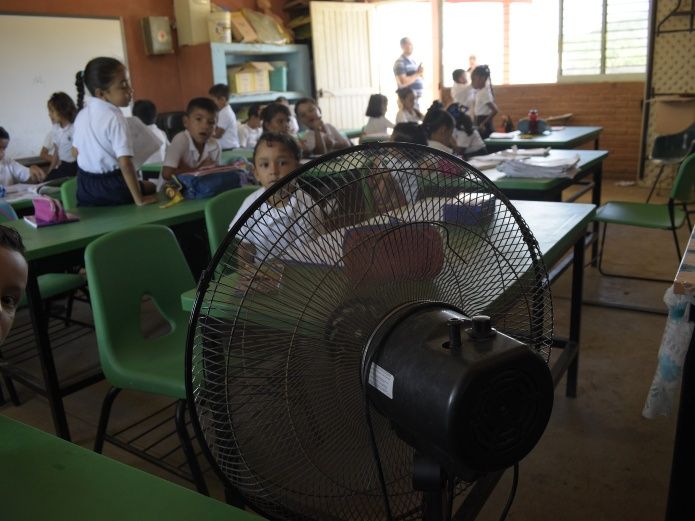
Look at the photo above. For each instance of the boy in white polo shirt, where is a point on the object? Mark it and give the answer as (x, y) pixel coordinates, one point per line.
(226, 132)
(12, 172)
(194, 148)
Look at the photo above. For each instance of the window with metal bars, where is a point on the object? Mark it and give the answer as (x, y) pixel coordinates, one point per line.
(603, 38)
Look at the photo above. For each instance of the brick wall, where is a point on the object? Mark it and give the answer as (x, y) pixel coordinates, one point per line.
(614, 106)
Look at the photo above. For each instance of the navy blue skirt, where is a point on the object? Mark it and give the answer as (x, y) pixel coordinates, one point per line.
(65, 169)
(107, 189)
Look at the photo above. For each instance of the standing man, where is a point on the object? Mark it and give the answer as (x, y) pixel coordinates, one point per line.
(408, 72)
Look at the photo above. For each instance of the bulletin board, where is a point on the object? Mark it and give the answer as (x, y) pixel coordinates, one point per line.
(41, 55)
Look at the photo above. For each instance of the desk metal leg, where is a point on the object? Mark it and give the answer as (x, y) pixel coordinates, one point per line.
(596, 200)
(575, 315)
(39, 322)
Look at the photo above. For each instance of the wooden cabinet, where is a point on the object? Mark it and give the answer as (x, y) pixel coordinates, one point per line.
(206, 64)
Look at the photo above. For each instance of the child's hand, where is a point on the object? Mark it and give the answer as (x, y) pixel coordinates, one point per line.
(37, 173)
(147, 199)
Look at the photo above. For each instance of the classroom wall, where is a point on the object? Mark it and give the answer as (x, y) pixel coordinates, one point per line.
(153, 77)
(616, 106)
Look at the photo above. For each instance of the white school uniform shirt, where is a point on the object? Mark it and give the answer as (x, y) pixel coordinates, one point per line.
(101, 136)
(331, 132)
(298, 221)
(161, 136)
(12, 172)
(226, 119)
(439, 146)
(469, 143)
(62, 138)
(482, 98)
(183, 149)
(378, 125)
(404, 116)
(248, 137)
(464, 95)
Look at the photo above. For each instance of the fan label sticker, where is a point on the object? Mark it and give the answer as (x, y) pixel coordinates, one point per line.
(381, 380)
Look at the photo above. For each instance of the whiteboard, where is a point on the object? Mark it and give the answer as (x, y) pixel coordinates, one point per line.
(41, 55)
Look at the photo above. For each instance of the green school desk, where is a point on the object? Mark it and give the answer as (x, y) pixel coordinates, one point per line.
(55, 248)
(568, 137)
(45, 477)
(227, 156)
(558, 228)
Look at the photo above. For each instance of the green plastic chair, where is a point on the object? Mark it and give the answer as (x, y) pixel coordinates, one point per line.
(128, 360)
(219, 212)
(68, 194)
(669, 216)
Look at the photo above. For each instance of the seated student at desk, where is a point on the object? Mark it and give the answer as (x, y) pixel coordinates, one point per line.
(12, 172)
(226, 130)
(57, 147)
(320, 137)
(194, 148)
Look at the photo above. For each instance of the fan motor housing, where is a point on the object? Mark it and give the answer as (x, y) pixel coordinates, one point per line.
(476, 408)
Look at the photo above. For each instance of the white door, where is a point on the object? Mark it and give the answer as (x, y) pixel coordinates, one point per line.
(346, 73)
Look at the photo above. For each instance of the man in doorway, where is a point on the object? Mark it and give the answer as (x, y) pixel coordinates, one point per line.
(408, 72)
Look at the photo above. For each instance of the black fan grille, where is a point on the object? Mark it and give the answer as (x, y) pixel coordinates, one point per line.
(276, 344)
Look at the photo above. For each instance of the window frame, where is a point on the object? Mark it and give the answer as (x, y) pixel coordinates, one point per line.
(602, 76)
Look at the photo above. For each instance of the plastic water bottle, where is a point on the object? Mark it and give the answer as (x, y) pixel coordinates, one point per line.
(533, 121)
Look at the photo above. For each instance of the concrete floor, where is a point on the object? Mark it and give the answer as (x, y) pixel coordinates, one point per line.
(598, 459)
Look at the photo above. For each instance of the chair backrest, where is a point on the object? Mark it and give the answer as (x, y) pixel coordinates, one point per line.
(685, 179)
(674, 146)
(171, 123)
(122, 267)
(7, 213)
(219, 212)
(68, 194)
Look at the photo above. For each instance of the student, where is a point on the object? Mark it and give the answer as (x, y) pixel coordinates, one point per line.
(12, 172)
(13, 277)
(194, 148)
(462, 91)
(294, 126)
(376, 112)
(146, 111)
(252, 128)
(276, 118)
(409, 133)
(105, 172)
(226, 130)
(320, 137)
(57, 147)
(290, 216)
(467, 139)
(408, 112)
(439, 128)
(485, 108)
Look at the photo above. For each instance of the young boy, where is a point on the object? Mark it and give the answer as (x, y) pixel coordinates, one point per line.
(320, 137)
(462, 91)
(194, 148)
(146, 111)
(13, 277)
(12, 172)
(290, 216)
(226, 130)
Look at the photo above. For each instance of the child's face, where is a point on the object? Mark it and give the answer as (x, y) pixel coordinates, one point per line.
(443, 135)
(462, 79)
(477, 81)
(53, 115)
(254, 122)
(13, 280)
(119, 92)
(3, 147)
(280, 123)
(310, 115)
(272, 162)
(220, 101)
(200, 125)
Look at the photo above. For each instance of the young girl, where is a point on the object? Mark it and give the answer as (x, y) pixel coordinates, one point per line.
(376, 112)
(57, 147)
(252, 128)
(439, 128)
(276, 118)
(290, 217)
(105, 172)
(485, 108)
(408, 112)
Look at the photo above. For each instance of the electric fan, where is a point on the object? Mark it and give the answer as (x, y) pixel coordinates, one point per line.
(371, 338)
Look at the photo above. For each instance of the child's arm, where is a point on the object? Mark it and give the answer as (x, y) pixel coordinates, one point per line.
(36, 174)
(131, 180)
(494, 111)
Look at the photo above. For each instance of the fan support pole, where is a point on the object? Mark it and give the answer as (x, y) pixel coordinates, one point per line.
(430, 478)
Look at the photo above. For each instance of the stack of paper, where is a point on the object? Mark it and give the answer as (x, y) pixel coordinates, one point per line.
(525, 152)
(540, 167)
(504, 135)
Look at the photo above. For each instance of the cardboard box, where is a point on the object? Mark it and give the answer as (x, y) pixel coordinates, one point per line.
(192, 21)
(250, 77)
(241, 28)
(672, 114)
